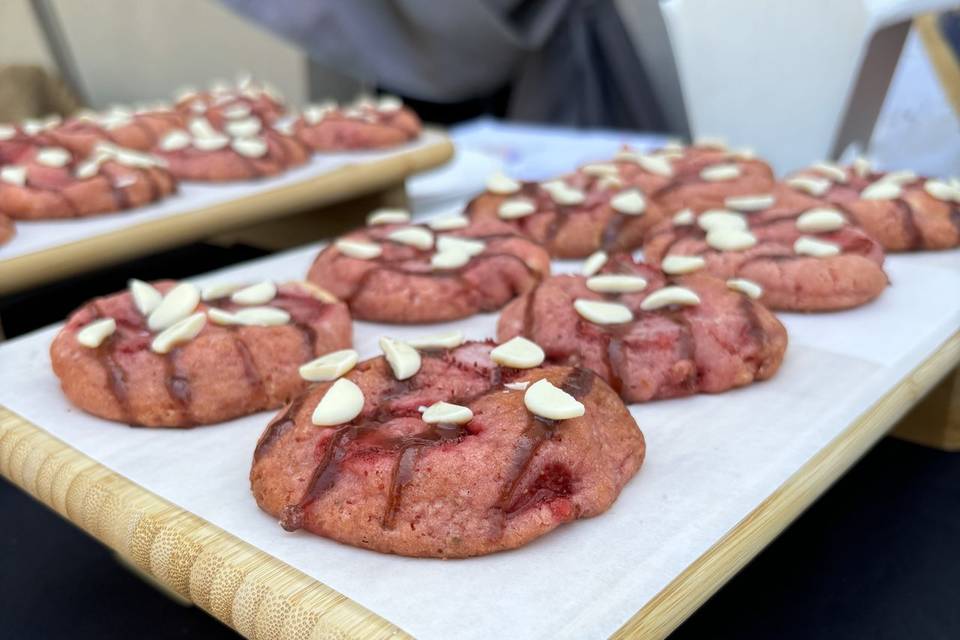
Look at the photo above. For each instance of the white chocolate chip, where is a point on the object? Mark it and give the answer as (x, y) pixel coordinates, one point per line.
(184, 93)
(388, 216)
(260, 293)
(518, 353)
(330, 366)
(730, 239)
(237, 111)
(679, 265)
(626, 155)
(53, 157)
(882, 190)
(250, 147)
(445, 340)
(221, 317)
(609, 182)
(182, 331)
(517, 386)
(413, 236)
(807, 246)
(449, 223)
(201, 128)
(942, 190)
(720, 219)
(261, 317)
(515, 208)
(93, 334)
(669, 296)
(246, 128)
(87, 169)
(389, 104)
(601, 169)
(710, 142)
(543, 399)
(750, 203)
(14, 174)
(820, 220)
(657, 165)
(809, 184)
(175, 140)
(402, 358)
(831, 170)
(449, 259)
(145, 296)
(747, 287)
(177, 304)
(468, 246)
(744, 153)
(630, 202)
(554, 185)
(594, 263)
(616, 283)
(567, 196)
(317, 112)
(502, 185)
(447, 413)
(212, 143)
(600, 312)
(862, 166)
(358, 249)
(899, 177)
(7, 131)
(342, 402)
(684, 217)
(720, 172)
(219, 290)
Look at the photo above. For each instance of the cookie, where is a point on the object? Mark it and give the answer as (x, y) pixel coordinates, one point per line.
(168, 355)
(7, 230)
(224, 101)
(45, 182)
(597, 207)
(367, 124)
(803, 254)
(901, 210)
(648, 334)
(706, 174)
(139, 129)
(447, 269)
(242, 149)
(463, 457)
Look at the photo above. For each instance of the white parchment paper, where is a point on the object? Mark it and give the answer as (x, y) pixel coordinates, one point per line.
(36, 236)
(711, 460)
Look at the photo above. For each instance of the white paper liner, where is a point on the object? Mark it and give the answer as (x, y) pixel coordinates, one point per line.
(711, 461)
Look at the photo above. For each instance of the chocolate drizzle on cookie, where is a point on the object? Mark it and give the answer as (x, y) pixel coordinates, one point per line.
(304, 311)
(367, 434)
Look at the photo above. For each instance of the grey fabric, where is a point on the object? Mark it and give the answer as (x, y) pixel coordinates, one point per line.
(567, 61)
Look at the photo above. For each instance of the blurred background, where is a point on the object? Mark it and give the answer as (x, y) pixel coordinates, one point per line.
(881, 75)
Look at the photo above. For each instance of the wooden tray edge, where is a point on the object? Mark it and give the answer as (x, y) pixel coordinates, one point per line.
(243, 587)
(704, 577)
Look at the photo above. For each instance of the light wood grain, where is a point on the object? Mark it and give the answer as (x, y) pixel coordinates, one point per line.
(712, 570)
(935, 422)
(261, 597)
(21, 272)
(243, 587)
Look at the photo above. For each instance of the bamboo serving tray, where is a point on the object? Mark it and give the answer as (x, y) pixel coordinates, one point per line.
(263, 597)
(351, 176)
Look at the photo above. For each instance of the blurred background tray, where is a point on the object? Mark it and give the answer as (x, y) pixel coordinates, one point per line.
(46, 251)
